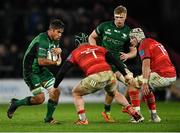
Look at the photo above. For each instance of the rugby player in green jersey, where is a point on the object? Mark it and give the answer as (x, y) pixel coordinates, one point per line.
(43, 51)
(114, 36)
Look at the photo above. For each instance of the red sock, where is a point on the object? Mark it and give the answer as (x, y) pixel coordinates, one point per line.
(81, 111)
(82, 115)
(135, 98)
(129, 109)
(150, 101)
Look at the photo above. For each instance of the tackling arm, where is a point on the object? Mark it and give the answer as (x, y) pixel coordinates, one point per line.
(61, 73)
(131, 54)
(92, 38)
(118, 63)
(47, 62)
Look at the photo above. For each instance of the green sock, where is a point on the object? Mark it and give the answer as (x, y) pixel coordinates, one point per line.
(25, 101)
(51, 106)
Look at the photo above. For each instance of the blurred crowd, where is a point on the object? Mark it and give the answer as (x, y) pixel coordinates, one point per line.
(22, 20)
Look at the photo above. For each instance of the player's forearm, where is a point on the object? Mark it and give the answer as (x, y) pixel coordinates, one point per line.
(59, 78)
(118, 63)
(47, 62)
(146, 72)
(146, 68)
(132, 53)
(61, 73)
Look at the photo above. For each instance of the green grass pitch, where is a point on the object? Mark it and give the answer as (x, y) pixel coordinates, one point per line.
(30, 119)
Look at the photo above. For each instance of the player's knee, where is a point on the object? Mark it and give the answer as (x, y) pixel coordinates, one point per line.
(75, 93)
(38, 99)
(41, 100)
(54, 93)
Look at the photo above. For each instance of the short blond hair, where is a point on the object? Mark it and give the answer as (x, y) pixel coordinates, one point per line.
(120, 9)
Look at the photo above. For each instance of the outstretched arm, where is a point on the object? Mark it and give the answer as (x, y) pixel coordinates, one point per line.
(120, 66)
(118, 63)
(61, 73)
(92, 38)
(47, 62)
(131, 54)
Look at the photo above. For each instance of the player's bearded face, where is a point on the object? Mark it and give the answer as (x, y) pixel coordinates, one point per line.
(57, 33)
(119, 19)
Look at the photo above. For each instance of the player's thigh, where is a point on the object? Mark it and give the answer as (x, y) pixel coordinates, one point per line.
(157, 81)
(80, 90)
(34, 83)
(88, 85)
(112, 85)
(97, 81)
(47, 79)
(111, 88)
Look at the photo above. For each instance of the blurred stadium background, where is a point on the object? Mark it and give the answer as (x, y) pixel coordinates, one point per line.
(22, 20)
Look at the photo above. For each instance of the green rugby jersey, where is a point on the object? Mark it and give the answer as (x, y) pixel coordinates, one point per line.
(39, 47)
(113, 38)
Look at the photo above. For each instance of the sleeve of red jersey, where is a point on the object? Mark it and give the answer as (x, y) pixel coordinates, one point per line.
(144, 50)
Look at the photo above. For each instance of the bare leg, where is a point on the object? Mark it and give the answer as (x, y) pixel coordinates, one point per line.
(78, 101)
(77, 94)
(129, 109)
(121, 99)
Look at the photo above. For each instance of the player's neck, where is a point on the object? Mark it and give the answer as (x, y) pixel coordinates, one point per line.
(49, 35)
(119, 26)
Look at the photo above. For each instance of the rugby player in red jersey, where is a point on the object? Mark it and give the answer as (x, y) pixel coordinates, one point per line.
(157, 69)
(92, 60)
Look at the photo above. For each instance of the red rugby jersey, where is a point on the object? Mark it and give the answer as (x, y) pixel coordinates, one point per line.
(91, 59)
(160, 61)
